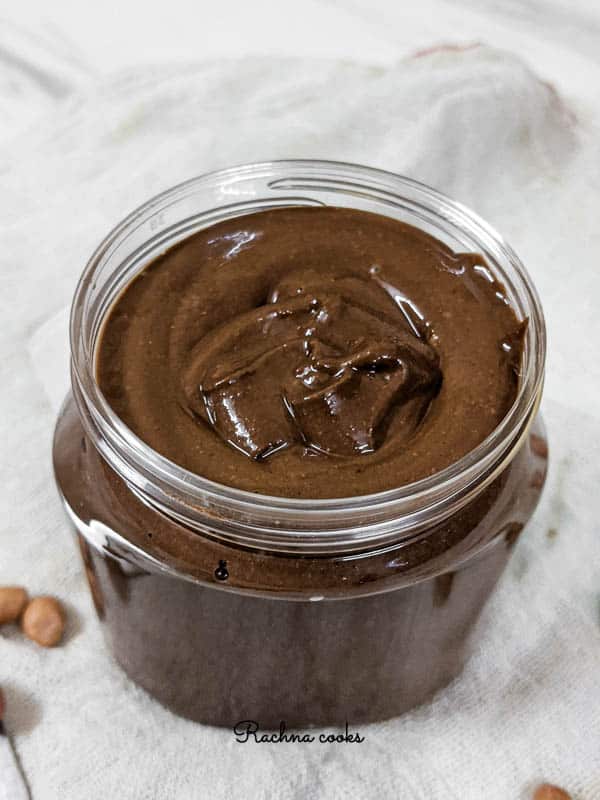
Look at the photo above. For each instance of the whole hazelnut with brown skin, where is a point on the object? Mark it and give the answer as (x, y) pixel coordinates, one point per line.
(549, 792)
(13, 600)
(43, 621)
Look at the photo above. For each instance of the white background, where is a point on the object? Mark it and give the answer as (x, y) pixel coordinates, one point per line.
(561, 38)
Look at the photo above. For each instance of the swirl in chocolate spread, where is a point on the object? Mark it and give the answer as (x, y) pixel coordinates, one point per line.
(312, 352)
(332, 360)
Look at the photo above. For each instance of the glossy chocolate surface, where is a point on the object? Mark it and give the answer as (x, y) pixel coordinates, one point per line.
(312, 352)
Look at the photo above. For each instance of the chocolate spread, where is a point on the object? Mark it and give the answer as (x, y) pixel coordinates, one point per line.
(312, 352)
(302, 352)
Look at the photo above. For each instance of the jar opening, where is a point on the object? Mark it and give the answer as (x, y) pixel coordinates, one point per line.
(290, 524)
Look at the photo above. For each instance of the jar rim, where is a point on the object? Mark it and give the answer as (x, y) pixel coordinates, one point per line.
(185, 494)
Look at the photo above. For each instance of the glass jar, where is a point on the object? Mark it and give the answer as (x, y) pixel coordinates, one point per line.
(227, 605)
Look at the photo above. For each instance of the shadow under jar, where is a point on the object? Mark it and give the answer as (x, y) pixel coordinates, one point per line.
(228, 605)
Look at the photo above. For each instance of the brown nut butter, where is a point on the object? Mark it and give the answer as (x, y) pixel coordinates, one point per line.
(325, 389)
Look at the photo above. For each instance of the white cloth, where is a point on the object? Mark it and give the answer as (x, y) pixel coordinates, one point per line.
(477, 124)
(12, 786)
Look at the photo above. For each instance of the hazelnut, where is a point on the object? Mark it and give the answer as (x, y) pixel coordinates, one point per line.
(547, 791)
(43, 621)
(12, 602)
